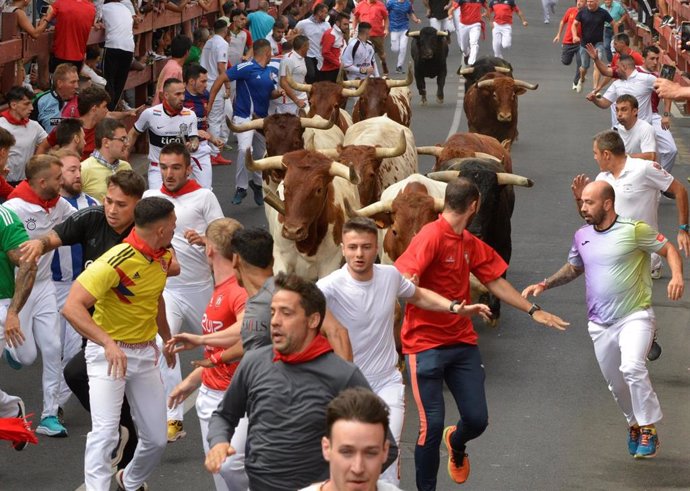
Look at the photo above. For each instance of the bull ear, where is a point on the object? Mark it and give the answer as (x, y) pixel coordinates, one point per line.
(383, 220)
(520, 90)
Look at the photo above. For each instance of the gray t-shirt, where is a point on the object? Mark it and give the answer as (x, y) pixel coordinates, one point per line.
(256, 325)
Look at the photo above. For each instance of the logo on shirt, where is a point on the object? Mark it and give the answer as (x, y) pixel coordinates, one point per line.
(449, 259)
(30, 224)
(585, 242)
(122, 290)
(136, 276)
(219, 300)
(660, 237)
(659, 168)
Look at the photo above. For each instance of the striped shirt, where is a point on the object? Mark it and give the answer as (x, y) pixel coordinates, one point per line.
(68, 260)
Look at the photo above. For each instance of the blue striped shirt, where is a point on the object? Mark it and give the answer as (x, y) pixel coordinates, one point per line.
(68, 260)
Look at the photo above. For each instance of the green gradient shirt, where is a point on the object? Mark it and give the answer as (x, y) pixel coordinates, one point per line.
(12, 235)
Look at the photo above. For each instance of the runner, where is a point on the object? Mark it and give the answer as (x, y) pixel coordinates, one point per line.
(502, 31)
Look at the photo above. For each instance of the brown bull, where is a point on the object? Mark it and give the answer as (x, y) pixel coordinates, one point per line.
(463, 145)
(379, 99)
(491, 105)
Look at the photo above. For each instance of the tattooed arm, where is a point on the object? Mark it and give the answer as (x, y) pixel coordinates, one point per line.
(24, 281)
(564, 275)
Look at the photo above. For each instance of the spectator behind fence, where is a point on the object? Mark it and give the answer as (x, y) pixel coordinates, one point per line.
(111, 147)
(260, 22)
(48, 105)
(23, 21)
(30, 137)
(69, 135)
(88, 70)
(199, 39)
(73, 22)
(179, 49)
(7, 141)
(119, 48)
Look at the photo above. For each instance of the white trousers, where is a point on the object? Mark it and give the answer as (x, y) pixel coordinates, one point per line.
(232, 476)
(246, 140)
(8, 404)
(216, 119)
(440, 24)
(665, 144)
(70, 340)
(184, 310)
(144, 389)
(202, 170)
(469, 41)
(548, 6)
(501, 38)
(456, 24)
(621, 350)
(393, 394)
(39, 321)
(399, 45)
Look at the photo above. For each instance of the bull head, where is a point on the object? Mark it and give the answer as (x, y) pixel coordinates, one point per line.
(503, 178)
(484, 84)
(470, 70)
(276, 163)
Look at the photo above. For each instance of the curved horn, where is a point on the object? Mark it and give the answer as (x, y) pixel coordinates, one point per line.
(254, 124)
(439, 204)
(341, 75)
(309, 141)
(412, 34)
(482, 155)
(456, 162)
(402, 83)
(268, 163)
(502, 69)
(374, 208)
(442, 33)
(485, 83)
(318, 123)
(505, 179)
(435, 151)
(331, 153)
(350, 83)
(355, 93)
(443, 175)
(526, 85)
(297, 85)
(272, 200)
(341, 170)
(388, 152)
(467, 70)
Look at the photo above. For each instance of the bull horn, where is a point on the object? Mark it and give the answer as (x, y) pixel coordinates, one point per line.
(526, 85)
(435, 151)
(309, 141)
(390, 152)
(346, 172)
(482, 155)
(254, 124)
(318, 124)
(485, 83)
(507, 143)
(402, 83)
(331, 153)
(412, 34)
(267, 163)
(374, 208)
(272, 200)
(502, 69)
(468, 70)
(355, 93)
(341, 76)
(297, 85)
(458, 161)
(505, 179)
(350, 83)
(443, 175)
(439, 204)
(442, 33)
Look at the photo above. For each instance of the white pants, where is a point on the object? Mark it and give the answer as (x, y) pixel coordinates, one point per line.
(469, 41)
(8, 404)
(144, 389)
(501, 38)
(246, 140)
(183, 308)
(39, 320)
(621, 350)
(457, 24)
(392, 392)
(232, 476)
(665, 144)
(399, 45)
(439, 24)
(70, 340)
(216, 119)
(202, 170)
(547, 6)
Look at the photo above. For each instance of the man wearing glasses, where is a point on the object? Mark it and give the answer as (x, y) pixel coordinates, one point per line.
(106, 159)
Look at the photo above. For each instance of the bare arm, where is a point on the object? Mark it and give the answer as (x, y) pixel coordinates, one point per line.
(561, 25)
(579, 183)
(681, 195)
(573, 30)
(675, 262)
(32, 250)
(430, 300)
(337, 336)
(600, 102)
(221, 339)
(23, 283)
(185, 388)
(43, 147)
(566, 274)
(222, 78)
(671, 90)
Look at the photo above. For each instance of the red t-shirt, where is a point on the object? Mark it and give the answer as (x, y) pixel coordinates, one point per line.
(503, 12)
(74, 20)
(5, 189)
(471, 11)
(636, 56)
(373, 13)
(568, 19)
(89, 137)
(443, 261)
(226, 303)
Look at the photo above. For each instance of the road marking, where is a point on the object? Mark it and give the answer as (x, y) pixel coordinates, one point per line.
(458, 109)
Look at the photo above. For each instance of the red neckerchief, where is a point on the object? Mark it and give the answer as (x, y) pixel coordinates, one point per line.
(319, 346)
(189, 187)
(12, 120)
(169, 110)
(135, 241)
(25, 192)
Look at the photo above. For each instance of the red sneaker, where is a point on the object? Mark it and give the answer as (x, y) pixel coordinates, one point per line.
(458, 471)
(220, 160)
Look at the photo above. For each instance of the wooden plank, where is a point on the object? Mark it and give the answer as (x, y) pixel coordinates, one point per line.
(11, 50)
(136, 78)
(193, 12)
(166, 19)
(40, 46)
(144, 26)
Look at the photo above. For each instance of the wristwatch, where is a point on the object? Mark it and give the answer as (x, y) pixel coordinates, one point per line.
(666, 114)
(533, 309)
(685, 227)
(452, 305)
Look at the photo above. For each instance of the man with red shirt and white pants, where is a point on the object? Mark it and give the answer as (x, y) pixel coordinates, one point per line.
(212, 377)
(470, 27)
(74, 20)
(442, 346)
(502, 33)
(375, 13)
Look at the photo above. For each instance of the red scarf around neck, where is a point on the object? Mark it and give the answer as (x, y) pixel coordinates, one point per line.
(170, 110)
(25, 192)
(189, 187)
(135, 241)
(319, 346)
(12, 120)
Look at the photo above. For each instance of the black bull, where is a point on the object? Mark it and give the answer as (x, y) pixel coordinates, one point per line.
(429, 51)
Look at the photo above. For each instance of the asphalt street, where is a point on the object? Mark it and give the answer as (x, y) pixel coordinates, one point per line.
(553, 423)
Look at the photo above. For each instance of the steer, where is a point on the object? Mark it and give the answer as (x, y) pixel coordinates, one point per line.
(491, 105)
(482, 66)
(429, 51)
(384, 97)
(462, 145)
(307, 222)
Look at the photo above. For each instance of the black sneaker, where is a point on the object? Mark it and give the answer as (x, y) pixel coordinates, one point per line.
(21, 413)
(654, 351)
(240, 194)
(258, 193)
(398, 69)
(665, 20)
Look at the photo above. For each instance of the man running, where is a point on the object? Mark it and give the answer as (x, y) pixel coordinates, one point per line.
(502, 30)
(470, 27)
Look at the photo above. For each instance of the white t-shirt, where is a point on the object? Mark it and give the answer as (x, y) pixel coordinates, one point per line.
(294, 65)
(163, 128)
(641, 138)
(275, 46)
(194, 211)
(236, 44)
(28, 138)
(366, 309)
(380, 486)
(215, 51)
(638, 188)
(640, 85)
(118, 22)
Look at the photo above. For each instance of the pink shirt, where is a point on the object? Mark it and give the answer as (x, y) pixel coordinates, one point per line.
(172, 69)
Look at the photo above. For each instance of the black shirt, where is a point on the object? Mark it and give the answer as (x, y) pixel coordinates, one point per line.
(436, 9)
(593, 25)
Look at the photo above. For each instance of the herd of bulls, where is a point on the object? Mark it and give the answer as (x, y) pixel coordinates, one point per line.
(328, 166)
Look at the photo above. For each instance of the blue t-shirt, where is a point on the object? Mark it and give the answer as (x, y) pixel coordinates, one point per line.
(254, 86)
(616, 11)
(197, 103)
(260, 24)
(398, 13)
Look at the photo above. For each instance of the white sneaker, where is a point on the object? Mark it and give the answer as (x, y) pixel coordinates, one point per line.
(574, 86)
(656, 274)
(578, 86)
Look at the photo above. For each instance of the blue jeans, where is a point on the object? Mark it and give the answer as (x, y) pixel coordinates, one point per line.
(460, 367)
(586, 60)
(608, 37)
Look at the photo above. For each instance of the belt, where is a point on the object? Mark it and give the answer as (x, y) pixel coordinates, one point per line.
(145, 344)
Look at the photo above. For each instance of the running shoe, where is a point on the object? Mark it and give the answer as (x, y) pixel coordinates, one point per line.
(240, 194)
(21, 413)
(175, 430)
(458, 471)
(50, 426)
(119, 450)
(578, 87)
(575, 87)
(633, 439)
(11, 361)
(649, 443)
(654, 351)
(258, 193)
(220, 160)
(121, 486)
(656, 273)
(398, 69)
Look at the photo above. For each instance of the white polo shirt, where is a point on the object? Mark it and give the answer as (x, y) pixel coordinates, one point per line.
(28, 137)
(638, 188)
(638, 84)
(163, 128)
(294, 65)
(314, 31)
(641, 138)
(215, 51)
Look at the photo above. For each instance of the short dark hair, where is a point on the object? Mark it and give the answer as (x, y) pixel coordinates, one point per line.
(193, 71)
(220, 232)
(199, 35)
(357, 404)
(631, 99)
(254, 246)
(460, 193)
(18, 93)
(7, 139)
(93, 52)
(235, 13)
(180, 46)
(40, 163)
(341, 17)
(363, 26)
(219, 25)
(169, 81)
(151, 210)
(129, 182)
(66, 129)
(227, 7)
(261, 45)
(610, 140)
(626, 60)
(361, 225)
(320, 7)
(623, 38)
(177, 148)
(91, 97)
(279, 24)
(106, 129)
(299, 41)
(312, 299)
(650, 49)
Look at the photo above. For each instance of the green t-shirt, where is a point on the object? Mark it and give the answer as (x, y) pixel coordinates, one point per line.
(12, 235)
(194, 55)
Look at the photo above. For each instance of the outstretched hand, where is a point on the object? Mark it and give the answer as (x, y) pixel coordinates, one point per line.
(579, 183)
